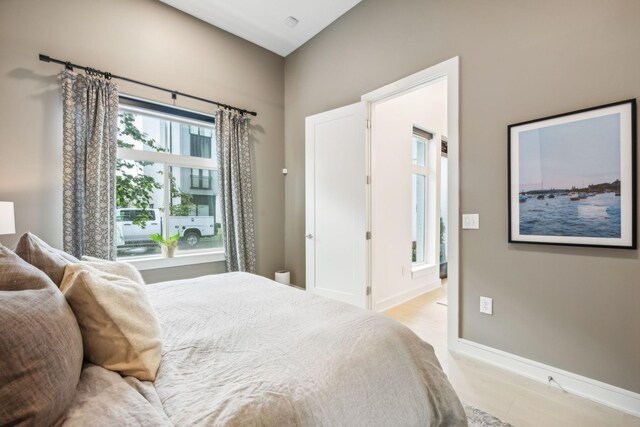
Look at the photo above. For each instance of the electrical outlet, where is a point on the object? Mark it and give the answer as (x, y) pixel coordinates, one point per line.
(471, 221)
(486, 305)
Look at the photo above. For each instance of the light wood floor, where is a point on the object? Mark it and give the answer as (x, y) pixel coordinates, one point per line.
(510, 397)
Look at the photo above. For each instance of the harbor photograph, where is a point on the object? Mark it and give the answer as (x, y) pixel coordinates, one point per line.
(569, 175)
(569, 178)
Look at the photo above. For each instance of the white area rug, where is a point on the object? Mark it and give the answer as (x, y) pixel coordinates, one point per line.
(479, 418)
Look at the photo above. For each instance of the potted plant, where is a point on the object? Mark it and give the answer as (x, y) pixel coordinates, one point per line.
(168, 246)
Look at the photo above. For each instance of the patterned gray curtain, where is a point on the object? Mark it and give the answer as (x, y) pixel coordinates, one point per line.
(234, 160)
(89, 162)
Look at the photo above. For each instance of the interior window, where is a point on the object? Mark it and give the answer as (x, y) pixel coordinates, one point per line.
(419, 198)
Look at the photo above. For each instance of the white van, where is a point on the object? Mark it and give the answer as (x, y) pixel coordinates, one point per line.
(190, 228)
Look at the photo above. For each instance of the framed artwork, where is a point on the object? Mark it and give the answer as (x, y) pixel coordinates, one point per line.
(572, 178)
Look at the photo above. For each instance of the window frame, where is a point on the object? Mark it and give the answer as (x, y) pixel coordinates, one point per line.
(201, 178)
(429, 170)
(168, 160)
(422, 170)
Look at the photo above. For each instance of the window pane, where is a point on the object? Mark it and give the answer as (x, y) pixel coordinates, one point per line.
(194, 209)
(139, 204)
(201, 179)
(418, 220)
(191, 140)
(419, 151)
(140, 131)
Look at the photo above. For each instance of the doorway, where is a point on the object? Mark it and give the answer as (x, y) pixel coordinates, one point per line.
(413, 199)
(358, 241)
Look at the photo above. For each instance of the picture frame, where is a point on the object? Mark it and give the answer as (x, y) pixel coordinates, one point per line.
(572, 178)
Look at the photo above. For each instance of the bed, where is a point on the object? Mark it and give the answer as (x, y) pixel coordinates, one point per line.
(242, 350)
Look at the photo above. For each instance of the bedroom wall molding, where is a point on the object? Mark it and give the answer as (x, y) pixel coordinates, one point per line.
(588, 388)
(402, 297)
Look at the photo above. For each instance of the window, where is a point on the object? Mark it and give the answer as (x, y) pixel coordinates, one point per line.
(200, 139)
(201, 179)
(166, 180)
(419, 199)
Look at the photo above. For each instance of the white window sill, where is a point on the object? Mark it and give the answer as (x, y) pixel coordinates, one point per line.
(421, 270)
(158, 261)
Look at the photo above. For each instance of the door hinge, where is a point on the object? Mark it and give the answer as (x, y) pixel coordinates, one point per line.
(368, 123)
(368, 235)
(368, 290)
(368, 180)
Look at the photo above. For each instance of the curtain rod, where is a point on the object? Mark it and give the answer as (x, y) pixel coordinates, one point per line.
(174, 93)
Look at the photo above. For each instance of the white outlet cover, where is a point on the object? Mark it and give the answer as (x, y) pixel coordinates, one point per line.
(471, 221)
(486, 305)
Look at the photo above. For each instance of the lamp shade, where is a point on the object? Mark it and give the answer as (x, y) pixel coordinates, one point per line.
(7, 218)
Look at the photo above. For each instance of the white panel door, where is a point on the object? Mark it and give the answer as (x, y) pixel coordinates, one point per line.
(336, 204)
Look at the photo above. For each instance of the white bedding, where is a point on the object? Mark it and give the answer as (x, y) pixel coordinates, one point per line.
(241, 350)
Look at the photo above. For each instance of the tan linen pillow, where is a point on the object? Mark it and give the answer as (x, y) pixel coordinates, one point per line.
(120, 331)
(39, 254)
(40, 346)
(118, 268)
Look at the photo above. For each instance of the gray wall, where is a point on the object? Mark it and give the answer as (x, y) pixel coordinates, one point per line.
(145, 40)
(573, 308)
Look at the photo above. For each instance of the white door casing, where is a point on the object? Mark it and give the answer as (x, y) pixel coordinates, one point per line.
(450, 70)
(336, 205)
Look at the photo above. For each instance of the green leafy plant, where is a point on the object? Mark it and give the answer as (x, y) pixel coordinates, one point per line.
(133, 187)
(159, 238)
(185, 207)
(443, 242)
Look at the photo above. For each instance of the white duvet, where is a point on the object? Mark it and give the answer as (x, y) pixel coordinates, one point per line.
(241, 350)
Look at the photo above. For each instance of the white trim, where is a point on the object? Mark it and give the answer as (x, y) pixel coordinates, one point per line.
(168, 158)
(450, 70)
(423, 269)
(156, 262)
(402, 297)
(597, 391)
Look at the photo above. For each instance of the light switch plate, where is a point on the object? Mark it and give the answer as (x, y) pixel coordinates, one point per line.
(471, 221)
(486, 305)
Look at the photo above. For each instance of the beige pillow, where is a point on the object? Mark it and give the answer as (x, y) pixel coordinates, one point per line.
(40, 346)
(120, 331)
(118, 268)
(39, 254)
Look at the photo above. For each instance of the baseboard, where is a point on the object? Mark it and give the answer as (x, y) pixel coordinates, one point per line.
(402, 297)
(606, 394)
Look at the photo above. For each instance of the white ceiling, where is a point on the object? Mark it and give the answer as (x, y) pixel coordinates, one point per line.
(263, 22)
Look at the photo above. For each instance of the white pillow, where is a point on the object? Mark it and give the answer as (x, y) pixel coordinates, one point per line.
(119, 268)
(119, 328)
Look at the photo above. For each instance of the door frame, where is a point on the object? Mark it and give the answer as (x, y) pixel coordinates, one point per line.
(451, 70)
